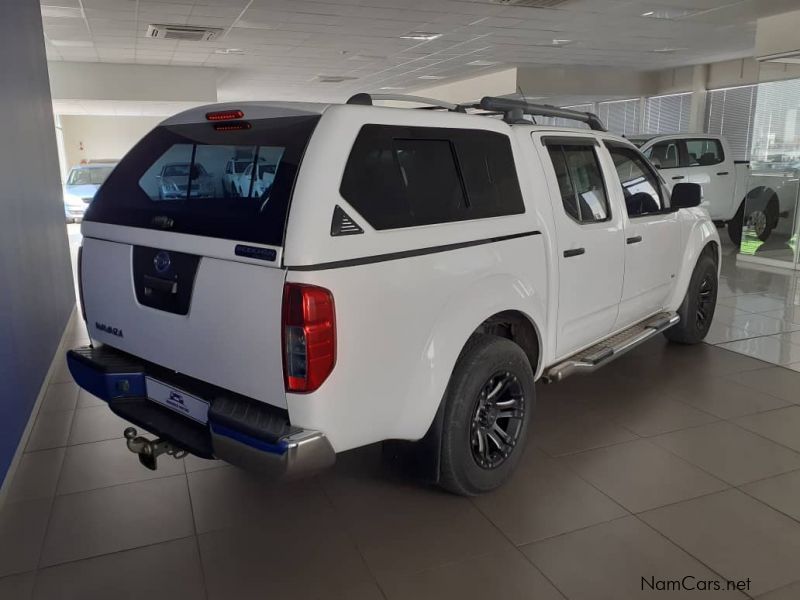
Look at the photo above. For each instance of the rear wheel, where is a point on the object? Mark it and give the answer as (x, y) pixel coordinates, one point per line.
(760, 219)
(487, 409)
(697, 310)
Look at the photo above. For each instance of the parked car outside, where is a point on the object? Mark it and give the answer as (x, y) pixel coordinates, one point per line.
(81, 186)
(176, 179)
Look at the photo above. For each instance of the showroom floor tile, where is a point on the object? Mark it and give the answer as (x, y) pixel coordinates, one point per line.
(672, 461)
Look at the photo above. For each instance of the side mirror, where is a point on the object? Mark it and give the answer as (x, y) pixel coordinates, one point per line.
(686, 195)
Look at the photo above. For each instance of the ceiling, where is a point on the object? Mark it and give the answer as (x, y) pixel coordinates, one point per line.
(280, 49)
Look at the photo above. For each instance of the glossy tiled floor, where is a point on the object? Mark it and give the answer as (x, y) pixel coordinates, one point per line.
(758, 312)
(671, 462)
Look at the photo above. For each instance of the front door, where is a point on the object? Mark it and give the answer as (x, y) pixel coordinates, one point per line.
(652, 236)
(590, 242)
(666, 155)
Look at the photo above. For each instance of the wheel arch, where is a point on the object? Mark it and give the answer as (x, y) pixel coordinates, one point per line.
(518, 327)
(701, 238)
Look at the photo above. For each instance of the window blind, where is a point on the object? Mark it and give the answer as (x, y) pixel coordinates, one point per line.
(667, 114)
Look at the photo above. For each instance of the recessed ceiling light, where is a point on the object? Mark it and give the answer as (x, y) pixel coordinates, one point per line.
(366, 57)
(392, 87)
(422, 36)
(58, 12)
(669, 13)
(482, 63)
(229, 51)
(666, 50)
(334, 78)
(561, 42)
(245, 24)
(431, 77)
(72, 43)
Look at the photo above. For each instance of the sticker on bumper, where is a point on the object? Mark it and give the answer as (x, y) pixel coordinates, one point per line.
(178, 400)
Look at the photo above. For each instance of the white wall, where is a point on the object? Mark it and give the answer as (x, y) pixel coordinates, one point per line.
(497, 83)
(105, 81)
(94, 137)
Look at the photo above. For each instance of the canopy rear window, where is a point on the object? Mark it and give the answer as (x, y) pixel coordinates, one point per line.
(204, 180)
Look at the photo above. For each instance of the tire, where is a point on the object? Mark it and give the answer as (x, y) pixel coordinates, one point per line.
(697, 309)
(487, 364)
(761, 220)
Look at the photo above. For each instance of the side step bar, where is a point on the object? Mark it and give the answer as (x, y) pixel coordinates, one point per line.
(610, 348)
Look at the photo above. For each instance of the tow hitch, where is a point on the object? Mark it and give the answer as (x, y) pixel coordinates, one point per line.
(150, 450)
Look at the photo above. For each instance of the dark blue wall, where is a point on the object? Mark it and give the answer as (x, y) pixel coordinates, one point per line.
(36, 291)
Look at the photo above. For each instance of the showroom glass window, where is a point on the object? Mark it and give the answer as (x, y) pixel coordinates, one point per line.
(409, 176)
(580, 182)
(208, 180)
(641, 187)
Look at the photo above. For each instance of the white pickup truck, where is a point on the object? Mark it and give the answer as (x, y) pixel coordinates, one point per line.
(408, 275)
(735, 194)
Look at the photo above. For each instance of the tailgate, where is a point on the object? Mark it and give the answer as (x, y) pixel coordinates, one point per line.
(218, 321)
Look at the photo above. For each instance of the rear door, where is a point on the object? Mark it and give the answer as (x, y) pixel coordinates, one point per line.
(707, 165)
(177, 272)
(652, 235)
(590, 245)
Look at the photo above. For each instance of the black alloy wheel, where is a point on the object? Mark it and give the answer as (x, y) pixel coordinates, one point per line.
(497, 420)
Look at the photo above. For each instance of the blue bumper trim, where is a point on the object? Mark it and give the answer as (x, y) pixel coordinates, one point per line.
(279, 448)
(107, 386)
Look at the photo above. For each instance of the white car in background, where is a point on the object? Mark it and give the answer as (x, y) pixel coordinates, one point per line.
(233, 171)
(82, 184)
(737, 193)
(265, 175)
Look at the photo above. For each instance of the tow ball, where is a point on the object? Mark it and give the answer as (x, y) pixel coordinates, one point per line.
(150, 450)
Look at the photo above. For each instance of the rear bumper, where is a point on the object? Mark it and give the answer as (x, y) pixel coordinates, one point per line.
(241, 431)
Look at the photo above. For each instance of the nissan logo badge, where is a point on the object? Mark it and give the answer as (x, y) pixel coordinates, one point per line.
(162, 262)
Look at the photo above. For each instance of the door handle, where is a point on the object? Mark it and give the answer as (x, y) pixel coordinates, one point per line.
(634, 240)
(574, 252)
(722, 173)
(677, 177)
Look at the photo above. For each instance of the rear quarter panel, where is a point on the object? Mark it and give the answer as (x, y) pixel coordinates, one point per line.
(401, 324)
(400, 328)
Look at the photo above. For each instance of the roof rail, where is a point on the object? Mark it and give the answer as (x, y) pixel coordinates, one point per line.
(514, 109)
(367, 99)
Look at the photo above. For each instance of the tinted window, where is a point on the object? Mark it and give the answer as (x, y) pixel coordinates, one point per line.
(640, 186)
(195, 178)
(580, 182)
(407, 176)
(703, 153)
(664, 155)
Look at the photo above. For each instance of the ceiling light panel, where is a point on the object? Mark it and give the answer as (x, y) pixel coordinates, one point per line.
(422, 36)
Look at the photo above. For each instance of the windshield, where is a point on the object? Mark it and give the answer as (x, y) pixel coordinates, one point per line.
(88, 175)
(181, 175)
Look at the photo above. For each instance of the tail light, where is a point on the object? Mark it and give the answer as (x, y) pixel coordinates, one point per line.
(309, 336)
(224, 115)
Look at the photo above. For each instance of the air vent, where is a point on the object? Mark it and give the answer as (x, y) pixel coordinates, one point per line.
(184, 33)
(531, 3)
(342, 224)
